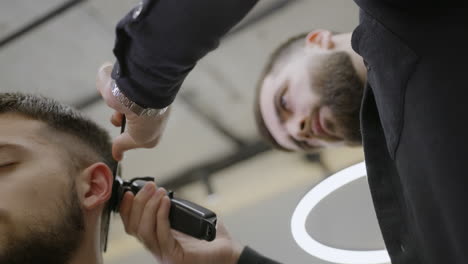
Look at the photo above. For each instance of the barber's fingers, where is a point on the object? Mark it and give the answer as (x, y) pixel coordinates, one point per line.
(103, 82)
(117, 119)
(221, 230)
(167, 242)
(125, 141)
(139, 204)
(103, 77)
(147, 228)
(122, 143)
(126, 208)
(103, 85)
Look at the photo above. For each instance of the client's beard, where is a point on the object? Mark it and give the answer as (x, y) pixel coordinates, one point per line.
(341, 90)
(54, 244)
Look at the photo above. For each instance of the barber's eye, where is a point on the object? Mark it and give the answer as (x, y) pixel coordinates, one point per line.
(282, 100)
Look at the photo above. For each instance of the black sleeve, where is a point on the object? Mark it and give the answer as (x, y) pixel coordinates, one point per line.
(157, 47)
(406, 5)
(250, 256)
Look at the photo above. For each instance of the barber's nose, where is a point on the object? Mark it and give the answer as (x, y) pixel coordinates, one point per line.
(304, 128)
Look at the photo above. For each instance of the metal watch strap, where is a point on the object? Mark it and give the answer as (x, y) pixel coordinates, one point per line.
(132, 106)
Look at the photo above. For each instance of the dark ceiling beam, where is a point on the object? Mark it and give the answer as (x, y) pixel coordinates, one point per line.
(36, 23)
(204, 171)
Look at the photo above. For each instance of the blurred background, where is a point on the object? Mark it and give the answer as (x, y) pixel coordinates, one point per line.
(210, 153)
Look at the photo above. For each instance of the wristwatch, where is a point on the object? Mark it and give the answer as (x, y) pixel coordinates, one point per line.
(132, 106)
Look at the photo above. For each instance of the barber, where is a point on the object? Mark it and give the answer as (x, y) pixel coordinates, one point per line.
(157, 44)
(412, 119)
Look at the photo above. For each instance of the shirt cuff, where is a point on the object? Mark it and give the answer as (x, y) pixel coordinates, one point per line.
(149, 91)
(250, 256)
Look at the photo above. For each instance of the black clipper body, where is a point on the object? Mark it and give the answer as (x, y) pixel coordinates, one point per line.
(185, 216)
(192, 219)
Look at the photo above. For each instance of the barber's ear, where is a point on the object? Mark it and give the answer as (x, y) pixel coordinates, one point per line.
(321, 38)
(96, 185)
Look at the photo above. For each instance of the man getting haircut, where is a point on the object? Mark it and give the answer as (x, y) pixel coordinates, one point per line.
(55, 183)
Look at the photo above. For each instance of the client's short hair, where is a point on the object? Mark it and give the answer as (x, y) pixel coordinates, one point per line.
(91, 143)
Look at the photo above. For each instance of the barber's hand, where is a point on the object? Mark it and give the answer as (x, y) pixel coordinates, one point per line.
(146, 217)
(142, 132)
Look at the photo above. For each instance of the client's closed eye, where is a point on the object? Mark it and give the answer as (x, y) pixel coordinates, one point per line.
(7, 164)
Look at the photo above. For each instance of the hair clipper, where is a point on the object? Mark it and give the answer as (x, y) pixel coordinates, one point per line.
(185, 216)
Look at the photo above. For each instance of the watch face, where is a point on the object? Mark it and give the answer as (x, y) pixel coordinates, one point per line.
(151, 112)
(132, 106)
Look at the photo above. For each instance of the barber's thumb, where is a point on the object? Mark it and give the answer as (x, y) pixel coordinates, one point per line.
(122, 143)
(117, 118)
(103, 76)
(105, 70)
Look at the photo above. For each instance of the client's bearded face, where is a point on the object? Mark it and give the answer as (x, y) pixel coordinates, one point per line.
(40, 217)
(313, 101)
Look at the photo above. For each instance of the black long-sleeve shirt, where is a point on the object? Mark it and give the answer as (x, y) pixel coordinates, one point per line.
(160, 41)
(250, 256)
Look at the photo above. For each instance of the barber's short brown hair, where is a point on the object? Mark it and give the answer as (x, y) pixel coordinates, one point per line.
(277, 58)
(62, 118)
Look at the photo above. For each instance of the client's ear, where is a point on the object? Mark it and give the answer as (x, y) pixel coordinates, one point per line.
(95, 186)
(321, 38)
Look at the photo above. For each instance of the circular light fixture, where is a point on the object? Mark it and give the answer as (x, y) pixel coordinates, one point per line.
(308, 203)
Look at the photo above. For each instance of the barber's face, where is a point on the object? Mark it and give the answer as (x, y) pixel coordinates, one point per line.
(40, 218)
(313, 101)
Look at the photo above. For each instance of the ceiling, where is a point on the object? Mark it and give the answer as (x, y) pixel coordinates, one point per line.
(213, 112)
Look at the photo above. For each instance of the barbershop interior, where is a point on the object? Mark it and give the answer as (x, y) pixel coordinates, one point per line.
(291, 207)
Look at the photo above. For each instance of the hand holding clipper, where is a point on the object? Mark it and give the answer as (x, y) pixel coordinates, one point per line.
(185, 216)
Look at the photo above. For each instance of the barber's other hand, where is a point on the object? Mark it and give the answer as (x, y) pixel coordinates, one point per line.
(141, 132)
(146, 217)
